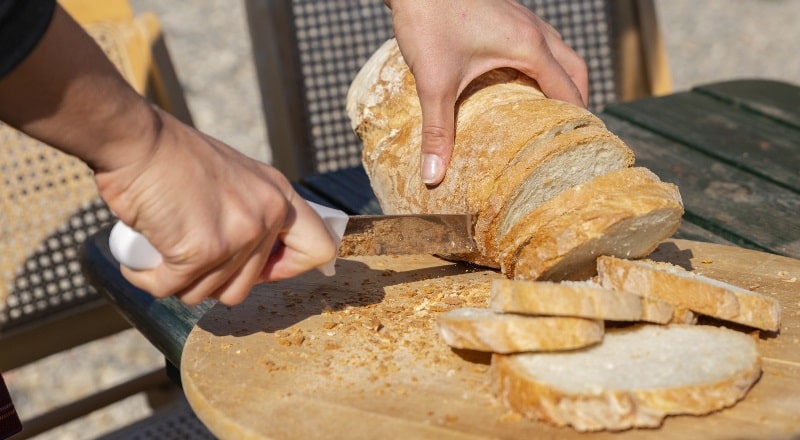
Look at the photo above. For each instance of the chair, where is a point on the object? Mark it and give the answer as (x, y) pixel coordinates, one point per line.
(307, 52)
(49, 205)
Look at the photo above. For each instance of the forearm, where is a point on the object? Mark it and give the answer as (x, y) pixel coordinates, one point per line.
(69, 95)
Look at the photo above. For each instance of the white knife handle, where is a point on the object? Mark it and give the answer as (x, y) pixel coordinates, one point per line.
(133, 250)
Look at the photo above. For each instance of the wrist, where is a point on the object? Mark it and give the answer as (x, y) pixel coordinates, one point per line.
(125, 135)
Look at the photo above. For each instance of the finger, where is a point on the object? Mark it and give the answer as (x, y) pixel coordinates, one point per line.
(574, 66)
(229, 277)
(307, 244)
(154, 281)
(553, 79)
(192, 282)
(240, 283)
(438, 133)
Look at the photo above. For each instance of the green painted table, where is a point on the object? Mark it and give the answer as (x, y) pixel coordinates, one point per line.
(733, 149)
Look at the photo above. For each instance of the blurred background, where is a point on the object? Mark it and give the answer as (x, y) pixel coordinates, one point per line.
(706, 41)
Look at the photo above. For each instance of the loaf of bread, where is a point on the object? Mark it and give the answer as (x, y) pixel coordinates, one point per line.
(687, 290)
(484, 330)
(635, 378)
(553, 190)
(571, 298)
(515, 152)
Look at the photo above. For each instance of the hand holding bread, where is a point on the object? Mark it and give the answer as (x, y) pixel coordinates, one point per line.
(448, 44)
(515, 152)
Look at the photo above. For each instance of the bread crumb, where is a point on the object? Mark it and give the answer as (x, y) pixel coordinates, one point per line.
(511, 417)
(439, 307)
(450, 419)
(453, 300)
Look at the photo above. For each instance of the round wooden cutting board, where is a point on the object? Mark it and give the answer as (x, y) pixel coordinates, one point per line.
(357, 356)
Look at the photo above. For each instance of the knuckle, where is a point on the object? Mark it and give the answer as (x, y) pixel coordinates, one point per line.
(435, 139)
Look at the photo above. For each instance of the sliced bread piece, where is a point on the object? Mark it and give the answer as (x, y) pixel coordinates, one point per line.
(576, 298)
(685, 289)
(538, 173)
(635, 378)
(484, 330)
(624, 213)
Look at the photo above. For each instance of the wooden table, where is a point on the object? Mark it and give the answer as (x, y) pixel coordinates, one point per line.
(732, 148)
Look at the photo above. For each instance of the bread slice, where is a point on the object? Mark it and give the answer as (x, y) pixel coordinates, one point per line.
(484, 330)
(685, 289)
(624, 213)
(546, 167)
(574, 298)
(635, 378)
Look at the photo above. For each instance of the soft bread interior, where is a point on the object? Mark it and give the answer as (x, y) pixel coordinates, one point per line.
(587, 152)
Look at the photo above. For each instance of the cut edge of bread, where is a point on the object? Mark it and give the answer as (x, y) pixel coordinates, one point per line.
(581, 299)
(692, 291)
(548, 165)
(482, 329)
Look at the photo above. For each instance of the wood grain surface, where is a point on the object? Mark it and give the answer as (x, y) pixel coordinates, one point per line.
(357, 356)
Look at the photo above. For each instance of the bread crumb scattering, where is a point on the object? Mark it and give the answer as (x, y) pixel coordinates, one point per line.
(384, 336)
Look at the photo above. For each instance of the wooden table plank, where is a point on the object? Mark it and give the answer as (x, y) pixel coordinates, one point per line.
(777, 100)
(752, 142)
(730, 202)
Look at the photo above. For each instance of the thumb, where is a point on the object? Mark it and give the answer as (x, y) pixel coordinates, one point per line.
(438, 135)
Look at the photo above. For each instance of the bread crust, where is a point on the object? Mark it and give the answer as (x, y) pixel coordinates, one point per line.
(620, 408)
(484, 330)
(687, 290)
(586, 300)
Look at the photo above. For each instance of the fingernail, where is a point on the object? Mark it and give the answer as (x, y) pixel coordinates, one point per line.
(432, 169)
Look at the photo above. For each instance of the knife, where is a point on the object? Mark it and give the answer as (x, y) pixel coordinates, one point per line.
(355, 235)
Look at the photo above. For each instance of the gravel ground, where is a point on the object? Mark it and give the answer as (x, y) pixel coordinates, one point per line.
(706, 41)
